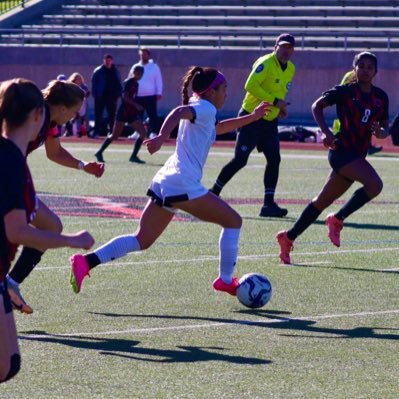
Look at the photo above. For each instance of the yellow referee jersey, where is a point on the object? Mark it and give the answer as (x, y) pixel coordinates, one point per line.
(266, 82)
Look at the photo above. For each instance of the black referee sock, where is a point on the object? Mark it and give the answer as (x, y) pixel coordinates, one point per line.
(26, 262)
(308, 216)
(358, 199)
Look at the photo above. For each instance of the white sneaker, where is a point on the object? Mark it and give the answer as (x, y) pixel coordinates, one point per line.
(153, 135)
(134, 136)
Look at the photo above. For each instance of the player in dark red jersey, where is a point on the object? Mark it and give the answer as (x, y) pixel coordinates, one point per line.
(362, 110)
(21, 116)
(62, 101)
(128, 112)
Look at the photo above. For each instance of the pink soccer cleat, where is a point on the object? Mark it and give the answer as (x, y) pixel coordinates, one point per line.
(334, 227)
(80, 269)
(220, 285)
(286, 246)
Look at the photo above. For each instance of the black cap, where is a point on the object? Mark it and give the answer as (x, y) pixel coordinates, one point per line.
(285, 38)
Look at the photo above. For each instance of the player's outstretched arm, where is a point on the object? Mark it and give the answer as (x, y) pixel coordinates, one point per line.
(228, 125)
(58, 154)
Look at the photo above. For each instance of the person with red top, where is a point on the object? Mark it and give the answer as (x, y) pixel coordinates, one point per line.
(62, 100)
(362, 110)
(21, 116)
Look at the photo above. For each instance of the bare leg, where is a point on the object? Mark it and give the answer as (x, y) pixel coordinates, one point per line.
(10, 360)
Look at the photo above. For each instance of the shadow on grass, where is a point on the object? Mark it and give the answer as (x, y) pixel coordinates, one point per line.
(276, 320)
(347, 225)
(129, 349)
(355, 269)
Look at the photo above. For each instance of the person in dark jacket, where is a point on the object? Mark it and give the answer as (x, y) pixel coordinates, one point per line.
(106, 88)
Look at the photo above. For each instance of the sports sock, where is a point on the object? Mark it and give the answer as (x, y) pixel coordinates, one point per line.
(137, 146)
(228, 252)
(269, 197)
(307, 217)
(116, 248)
(105, 144)
(358, 199)
(26, 262)
(217, 187)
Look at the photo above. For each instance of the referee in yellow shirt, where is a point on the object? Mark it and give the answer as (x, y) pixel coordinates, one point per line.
(270, 79)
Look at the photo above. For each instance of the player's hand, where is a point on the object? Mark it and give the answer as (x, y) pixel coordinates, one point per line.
(262, 109)
(329, 140)
(378, 131)
(282, 105)
(283, 113)
(94, 168)
(82, 239)
(153, 145)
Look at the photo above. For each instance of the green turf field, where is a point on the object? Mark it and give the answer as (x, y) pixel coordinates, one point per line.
(150, 326)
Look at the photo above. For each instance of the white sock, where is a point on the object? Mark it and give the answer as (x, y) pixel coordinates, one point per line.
(228, 252)
(117, 247)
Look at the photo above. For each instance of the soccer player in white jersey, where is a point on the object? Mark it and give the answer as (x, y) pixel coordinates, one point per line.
(177, 185)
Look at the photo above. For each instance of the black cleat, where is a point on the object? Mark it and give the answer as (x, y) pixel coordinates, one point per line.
(273, 211)
(136, 159)
(373, 150)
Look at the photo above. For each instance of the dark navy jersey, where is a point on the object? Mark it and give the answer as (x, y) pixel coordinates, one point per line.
(357, 111)
(16, 192)
(48, 129)
(130, 88)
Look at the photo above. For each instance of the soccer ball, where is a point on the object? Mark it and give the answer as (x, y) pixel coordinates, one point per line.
(254, 290)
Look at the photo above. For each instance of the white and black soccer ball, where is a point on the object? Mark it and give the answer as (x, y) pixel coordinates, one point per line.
(254, 290)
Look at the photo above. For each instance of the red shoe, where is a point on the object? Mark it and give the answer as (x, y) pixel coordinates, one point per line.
(80, 269)
(334, 227)
(220, 285)
(286, 246)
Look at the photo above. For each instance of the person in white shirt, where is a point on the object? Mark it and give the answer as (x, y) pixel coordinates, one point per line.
(150, 89)
(177, 185)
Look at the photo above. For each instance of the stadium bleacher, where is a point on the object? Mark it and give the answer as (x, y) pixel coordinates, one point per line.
(227, 24)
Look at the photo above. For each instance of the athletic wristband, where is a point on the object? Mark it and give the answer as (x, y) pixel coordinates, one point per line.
(81, 165)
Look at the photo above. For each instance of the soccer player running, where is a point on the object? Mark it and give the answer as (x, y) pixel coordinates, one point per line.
(177, 185)
(21, 117)
(362, 110)
(128, 112)
(62, 100)
(270, 79)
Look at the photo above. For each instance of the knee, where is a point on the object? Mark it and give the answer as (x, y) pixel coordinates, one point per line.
(12, 369)
(374, 188)
(235, 221)
(239, 162)
(56, 225)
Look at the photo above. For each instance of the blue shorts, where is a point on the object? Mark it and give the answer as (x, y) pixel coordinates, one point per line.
(340, 158)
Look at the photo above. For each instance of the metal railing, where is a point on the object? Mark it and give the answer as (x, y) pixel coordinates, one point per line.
(387, 40)
(7, 5)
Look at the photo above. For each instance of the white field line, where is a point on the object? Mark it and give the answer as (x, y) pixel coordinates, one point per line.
(228, 153)
(220, 324)
(246, 257)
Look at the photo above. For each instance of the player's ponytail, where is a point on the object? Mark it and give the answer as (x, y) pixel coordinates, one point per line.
(18, 97)
(64, 93)
(187, 78)
(201, 79)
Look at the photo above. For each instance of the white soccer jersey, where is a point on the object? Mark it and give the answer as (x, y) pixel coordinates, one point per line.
(182, 172)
